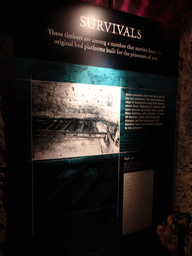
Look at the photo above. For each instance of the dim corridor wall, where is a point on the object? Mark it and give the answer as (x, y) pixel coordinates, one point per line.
(182, 190)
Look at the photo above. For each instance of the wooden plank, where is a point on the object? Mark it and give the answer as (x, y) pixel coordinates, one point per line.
(67, 124)
(73, 125)
(50, 124)
(78, 127)
(57, 125)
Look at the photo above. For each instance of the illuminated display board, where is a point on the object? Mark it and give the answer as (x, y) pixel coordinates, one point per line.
(97, 88)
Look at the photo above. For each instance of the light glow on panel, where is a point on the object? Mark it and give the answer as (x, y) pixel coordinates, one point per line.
(77, 119)
(88, 20)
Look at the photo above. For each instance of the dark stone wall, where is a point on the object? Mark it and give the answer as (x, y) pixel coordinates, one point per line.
(183, 166)
(6, 135)
(182, 189)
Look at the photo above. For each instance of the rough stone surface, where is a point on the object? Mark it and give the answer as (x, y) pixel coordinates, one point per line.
(182, 193)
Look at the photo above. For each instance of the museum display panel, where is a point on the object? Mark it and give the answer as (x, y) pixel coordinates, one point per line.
(97, 91)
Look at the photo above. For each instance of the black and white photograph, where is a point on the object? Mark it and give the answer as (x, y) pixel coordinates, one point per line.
(73, 120)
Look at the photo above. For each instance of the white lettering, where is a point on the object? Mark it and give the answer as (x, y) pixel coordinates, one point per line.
(138, 34)
(99, 25)
(88, 23)
(83, 24)
(120, 29)
(109, 28)
(126, 32)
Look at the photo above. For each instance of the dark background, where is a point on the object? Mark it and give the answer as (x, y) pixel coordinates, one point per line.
(171, 14)
(34, 41)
